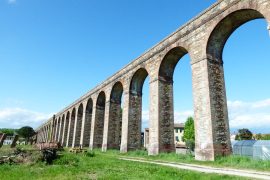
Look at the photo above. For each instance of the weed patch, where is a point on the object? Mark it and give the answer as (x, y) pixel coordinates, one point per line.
(67, 160)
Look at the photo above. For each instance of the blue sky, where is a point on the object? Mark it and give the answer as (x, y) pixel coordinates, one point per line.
(54, 51)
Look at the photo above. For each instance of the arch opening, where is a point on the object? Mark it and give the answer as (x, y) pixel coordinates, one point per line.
(225, 28)
(172, 121)
(54, 129)
(67, 124)
(99, 120)
(137, 82)
(60, 139)
(115, 117)
(71, 127)
(145, 113)
(169, 63)
(249, 45)
(215, 52)
(135, 109)
(88, 121)
(57, 129)
(45, 134)
(78, 127)
(48, 133)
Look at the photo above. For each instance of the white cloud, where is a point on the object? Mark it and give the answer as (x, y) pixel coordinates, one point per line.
(181, 116)
(145, 119)
(18, 117)
(145, 116)
(241, 115)
(12, 1)
(249, 114)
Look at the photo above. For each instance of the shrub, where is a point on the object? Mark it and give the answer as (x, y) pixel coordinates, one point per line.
(48, 155)
(190, 144)
(244, 134)
(68, 160)
(189, 132)
(90, 154)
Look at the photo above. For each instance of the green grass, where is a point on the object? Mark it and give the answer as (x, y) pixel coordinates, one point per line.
(229, 162)
(6, 150)
(99, 165)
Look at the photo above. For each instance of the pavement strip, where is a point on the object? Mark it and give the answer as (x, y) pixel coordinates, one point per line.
(206, 169)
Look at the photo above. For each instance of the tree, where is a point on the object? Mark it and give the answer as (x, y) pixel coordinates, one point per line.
(8, 132)
(237, 138)
(244, 134)
(266, 137)
(258, 136)
(189, 134)
(26, 132)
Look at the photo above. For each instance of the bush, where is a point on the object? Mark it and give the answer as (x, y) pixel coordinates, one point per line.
(244, 134)
(67, 160)
(190, 145)
(19, 150)
(48, 155)
(90, 154)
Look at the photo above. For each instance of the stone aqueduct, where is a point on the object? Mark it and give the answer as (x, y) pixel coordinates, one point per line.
(96, 120)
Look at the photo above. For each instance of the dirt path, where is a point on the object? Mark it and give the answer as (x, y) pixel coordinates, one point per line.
(206, 169)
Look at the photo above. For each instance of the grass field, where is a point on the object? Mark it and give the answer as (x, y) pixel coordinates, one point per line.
(101, 166)
(230, 161)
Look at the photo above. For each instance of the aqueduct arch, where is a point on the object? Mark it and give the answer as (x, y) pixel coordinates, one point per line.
(98, 121)
(135, 109)
(71, 126)
(112, 138)
(87, 123)
(164, 128)
(203, 38)
(225, 28)
(78, 127)
(57, 128)
(61, 127)
(65, 131)
(214, 51)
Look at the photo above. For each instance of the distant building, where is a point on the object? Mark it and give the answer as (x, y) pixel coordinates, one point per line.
(146, 138)
(8, 140)
(178, 135)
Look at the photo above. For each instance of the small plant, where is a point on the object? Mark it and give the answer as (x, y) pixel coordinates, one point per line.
(48, 155)
(67, 160)
(19, 150)
(190, 145)
(90, 154)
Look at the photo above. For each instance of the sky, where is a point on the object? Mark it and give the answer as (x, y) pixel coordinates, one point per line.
(54, 51)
